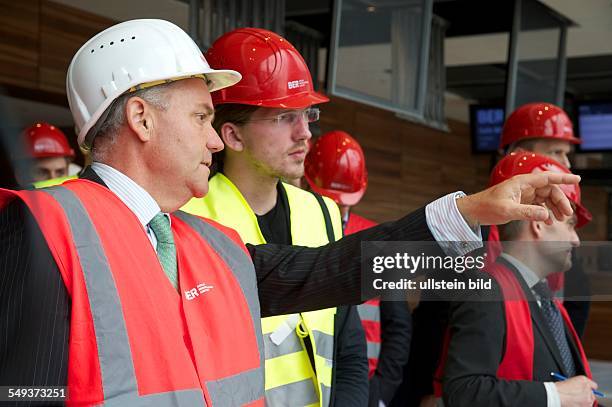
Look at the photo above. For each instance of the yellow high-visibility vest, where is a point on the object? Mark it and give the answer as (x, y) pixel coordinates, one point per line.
(52, 182)
(290, 378)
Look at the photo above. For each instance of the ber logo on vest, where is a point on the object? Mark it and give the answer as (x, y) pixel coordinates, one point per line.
(197, 290)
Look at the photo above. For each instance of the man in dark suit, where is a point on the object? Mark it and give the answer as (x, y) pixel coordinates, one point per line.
(506, 342)
(151, 143)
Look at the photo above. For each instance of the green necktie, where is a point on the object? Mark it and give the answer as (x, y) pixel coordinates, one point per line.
(166, 252)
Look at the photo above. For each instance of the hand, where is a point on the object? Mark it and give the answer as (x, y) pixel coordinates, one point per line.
(576, 392)
(519, 198)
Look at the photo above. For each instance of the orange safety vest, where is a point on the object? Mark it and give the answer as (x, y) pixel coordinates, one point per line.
(134, 340)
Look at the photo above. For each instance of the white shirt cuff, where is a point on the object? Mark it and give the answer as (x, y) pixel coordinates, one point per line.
(552, 395)
(449, 228)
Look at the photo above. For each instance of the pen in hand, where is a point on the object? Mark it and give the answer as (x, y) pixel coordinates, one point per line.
(561, 378)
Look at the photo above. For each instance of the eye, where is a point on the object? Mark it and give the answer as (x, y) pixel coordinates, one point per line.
(203, 117)
(287, 117)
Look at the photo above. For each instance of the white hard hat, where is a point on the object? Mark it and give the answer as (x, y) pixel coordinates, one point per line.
(127, 55)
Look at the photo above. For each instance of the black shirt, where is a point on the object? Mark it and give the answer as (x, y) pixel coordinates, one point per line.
(275, 225)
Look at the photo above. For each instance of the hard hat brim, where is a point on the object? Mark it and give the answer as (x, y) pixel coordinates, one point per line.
(572, 140)
(222, 78)
(340, 197)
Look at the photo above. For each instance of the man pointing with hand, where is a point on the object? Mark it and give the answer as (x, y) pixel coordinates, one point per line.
(128, 301)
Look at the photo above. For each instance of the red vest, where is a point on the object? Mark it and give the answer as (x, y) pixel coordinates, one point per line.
(356, 223)
(369, 312)
(134, 340)
(517, 362)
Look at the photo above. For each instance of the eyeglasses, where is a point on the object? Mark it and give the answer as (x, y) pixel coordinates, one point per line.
(309, 115)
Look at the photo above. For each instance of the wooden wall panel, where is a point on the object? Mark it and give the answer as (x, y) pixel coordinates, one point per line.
(63, 30)
(596, 200)
(409, 164)
(598, 335)
(19, 33)
(37, 41)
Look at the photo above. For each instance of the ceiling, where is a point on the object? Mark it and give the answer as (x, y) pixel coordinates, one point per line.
(476, 48)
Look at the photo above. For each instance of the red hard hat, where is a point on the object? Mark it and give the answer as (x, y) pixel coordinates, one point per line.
(44, 140)
(335, 167)
(526, 163)
(274, 73)
(538, 120)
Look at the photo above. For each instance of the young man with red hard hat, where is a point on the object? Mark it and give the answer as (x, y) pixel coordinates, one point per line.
(46, 154)
(524, 333)
(129, 301)
(335, 167)
(312, 358)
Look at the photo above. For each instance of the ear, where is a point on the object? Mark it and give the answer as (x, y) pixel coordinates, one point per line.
(232, 136)
(535, 229)
(139, 117)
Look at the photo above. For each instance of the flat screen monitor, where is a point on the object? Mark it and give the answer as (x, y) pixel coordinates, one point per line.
(486, 123)
(595, 126)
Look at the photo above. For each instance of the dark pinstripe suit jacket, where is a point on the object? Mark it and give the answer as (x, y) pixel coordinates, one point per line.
(35, 307)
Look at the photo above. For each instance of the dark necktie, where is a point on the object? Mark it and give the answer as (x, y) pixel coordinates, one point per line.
(555, 323)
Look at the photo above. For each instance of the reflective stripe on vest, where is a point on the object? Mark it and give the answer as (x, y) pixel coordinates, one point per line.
(288, 369)
(369, 311)
(118, 379)
(116, 365)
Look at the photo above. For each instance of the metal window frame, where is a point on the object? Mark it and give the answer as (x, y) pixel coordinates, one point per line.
(513, 60)
(423, 64)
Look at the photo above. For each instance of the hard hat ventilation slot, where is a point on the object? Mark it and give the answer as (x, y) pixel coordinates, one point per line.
(112, 43)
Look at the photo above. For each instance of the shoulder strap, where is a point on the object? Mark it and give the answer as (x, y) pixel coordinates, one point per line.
(328, 224)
